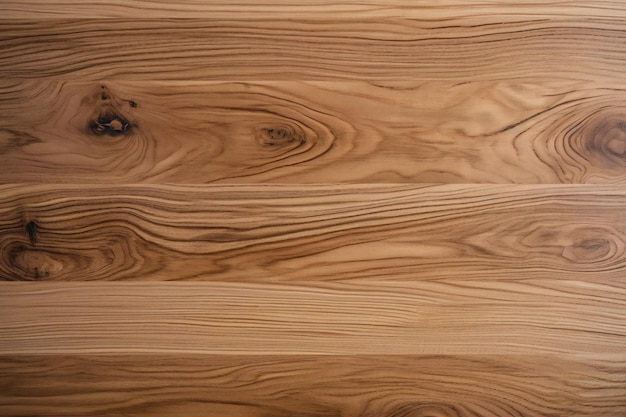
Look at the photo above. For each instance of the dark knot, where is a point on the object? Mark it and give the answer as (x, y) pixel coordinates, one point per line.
(110, 124)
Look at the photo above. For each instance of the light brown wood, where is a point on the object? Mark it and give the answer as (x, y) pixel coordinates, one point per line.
(480, 10)
(302, 49)
(317, 233)
(273, 208)
(324, 386)
(312, 132)
(452, 318)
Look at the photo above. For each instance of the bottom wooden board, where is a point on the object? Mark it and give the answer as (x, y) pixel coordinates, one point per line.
(296, 385)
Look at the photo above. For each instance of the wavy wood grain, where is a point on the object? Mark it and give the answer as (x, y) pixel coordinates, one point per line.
(480, 10)
(300, 49)
(315, 386)
(312, 132)
(498, 293)
(577, 318)
(328, 233)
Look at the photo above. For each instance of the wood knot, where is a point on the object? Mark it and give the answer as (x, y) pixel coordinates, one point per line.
(591, 249)
(109, 123)
(592, 245)
(109, 114)
(280, 136)
(603, 139)
(31, 263)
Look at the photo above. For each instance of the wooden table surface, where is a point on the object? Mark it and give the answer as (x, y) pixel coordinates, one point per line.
(269, 209)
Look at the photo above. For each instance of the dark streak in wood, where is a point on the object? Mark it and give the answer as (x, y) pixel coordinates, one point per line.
(31, 229)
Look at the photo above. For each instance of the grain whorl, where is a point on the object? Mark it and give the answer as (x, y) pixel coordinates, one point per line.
(601, 138)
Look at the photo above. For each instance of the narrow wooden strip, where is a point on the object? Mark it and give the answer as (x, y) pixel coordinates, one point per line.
(317, 233)
(299, 49)
(316, 386)
(225, 318)
(481, 10)
(312, 132)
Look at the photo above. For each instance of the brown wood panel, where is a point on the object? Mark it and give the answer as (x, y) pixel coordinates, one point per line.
(580, 318)
(312, 132)
(317, 233)
(300, 49)
(315, 386)
(479, 10)
(404, 208)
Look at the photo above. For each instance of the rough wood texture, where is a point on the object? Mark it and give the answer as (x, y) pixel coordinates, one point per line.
(302, 49)
(320, 233)
(403, 208)
(312, 132)
(314, 386)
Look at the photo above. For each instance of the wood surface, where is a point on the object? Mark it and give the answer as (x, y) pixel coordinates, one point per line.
(452, 318)
(312, 132)
(480, 385)
(449, 49)
(275, 208)
(281, 233)
(482, 10)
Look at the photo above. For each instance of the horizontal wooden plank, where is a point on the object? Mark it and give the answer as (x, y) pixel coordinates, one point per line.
(312, 132)
(315, 386)
(577, 318)
(481, 10)
(298, 49)
(318, 233)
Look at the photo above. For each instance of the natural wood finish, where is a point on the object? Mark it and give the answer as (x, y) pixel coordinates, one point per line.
(328, 233)
(479, 10)
(314, 386)
(312, 132)
(303, 49)
(402, 208)
(456, 317)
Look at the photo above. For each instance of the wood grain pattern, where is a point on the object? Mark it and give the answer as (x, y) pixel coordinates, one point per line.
(356, 49)
(315, 386)
(273, 208)
(312, 132)
(480, 10)
(318, 233)
(577, 318)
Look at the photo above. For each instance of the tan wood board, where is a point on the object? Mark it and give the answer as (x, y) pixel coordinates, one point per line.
(281, 233)
(312, 132)
(481, 385)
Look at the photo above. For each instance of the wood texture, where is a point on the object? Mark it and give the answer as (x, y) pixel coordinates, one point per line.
(318, 233)
(480, 10)
(273, 208)
(453, 318)
(315, 386)
(312, 132)
(299, 49)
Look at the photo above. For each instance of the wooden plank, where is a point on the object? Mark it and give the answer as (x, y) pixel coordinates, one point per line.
(572, 317)
(481, 10)
(317, 233)
(315, 386)
(300, 49)
(312, 132)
